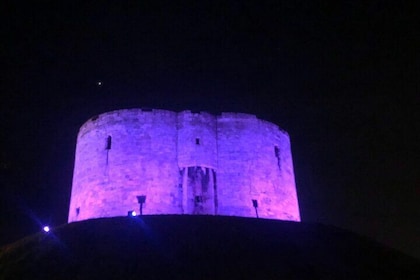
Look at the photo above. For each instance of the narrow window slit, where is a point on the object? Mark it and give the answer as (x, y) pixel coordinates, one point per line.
(277, 154)
(108, 143)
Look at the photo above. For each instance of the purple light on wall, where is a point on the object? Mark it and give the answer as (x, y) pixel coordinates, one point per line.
(185, 163)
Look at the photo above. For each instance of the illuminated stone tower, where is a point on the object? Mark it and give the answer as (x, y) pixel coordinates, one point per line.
(184, 163)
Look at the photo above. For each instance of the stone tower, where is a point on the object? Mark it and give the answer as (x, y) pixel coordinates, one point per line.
(183, 163)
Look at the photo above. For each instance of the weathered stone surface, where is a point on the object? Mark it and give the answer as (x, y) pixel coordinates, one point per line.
(185, 163)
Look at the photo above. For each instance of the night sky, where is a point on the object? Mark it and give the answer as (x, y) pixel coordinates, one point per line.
(342, 78)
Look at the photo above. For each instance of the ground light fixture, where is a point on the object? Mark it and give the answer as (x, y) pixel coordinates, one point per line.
(46, 228)
(132, 213)
(255, 204)
(141, 199)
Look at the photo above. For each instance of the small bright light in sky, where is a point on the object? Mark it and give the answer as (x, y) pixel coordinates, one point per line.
(99, 83)
(46, 228)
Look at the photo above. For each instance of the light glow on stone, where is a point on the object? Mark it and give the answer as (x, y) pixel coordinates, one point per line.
(154, 153)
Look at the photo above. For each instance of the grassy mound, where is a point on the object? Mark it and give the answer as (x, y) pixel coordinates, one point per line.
(200, 247)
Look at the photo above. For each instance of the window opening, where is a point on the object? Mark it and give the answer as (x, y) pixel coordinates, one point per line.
(108, 143)
(277, 154)
(198, 199)
(108, 147)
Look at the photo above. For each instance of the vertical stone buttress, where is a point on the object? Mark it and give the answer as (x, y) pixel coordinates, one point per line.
(197, 156)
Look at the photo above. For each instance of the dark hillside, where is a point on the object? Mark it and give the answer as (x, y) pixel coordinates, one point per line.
(201, 247)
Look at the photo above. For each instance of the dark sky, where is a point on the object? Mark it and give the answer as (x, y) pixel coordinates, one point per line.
(341, 77)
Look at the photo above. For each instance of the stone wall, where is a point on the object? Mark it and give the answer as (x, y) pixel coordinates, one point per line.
(184, 163)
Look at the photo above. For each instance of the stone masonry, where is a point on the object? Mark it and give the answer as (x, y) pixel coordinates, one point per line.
(184, 163)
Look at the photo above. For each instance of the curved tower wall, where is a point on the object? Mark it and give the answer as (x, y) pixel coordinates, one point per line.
(255, 163)
(184, 163)
(142, 158)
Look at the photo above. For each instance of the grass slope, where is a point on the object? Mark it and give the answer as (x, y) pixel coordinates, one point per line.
(200, 247)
